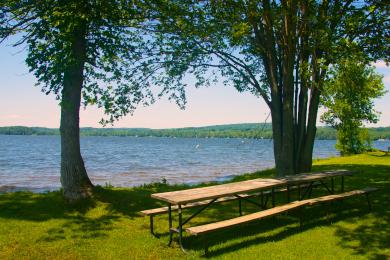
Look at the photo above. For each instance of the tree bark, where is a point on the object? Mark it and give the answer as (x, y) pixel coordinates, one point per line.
(306, 154)
(277, 138)
(74, 179)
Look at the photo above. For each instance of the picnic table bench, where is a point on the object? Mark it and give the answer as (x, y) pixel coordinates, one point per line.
(205, 196)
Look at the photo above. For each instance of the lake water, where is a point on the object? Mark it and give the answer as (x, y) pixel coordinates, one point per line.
(32, 162)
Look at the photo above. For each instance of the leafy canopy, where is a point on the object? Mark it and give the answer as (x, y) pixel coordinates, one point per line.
(120, 63)
(234, 39)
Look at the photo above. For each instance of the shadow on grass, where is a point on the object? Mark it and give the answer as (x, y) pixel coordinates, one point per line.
(369, 238)
(74, 220)
(51, 205)
(81, 227)
(261, 232)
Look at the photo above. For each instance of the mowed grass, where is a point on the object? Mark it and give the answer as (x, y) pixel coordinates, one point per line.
(109, 226)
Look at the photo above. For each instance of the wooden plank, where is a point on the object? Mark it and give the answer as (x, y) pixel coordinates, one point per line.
(315, 176)
(339, 196)
(270, 212)
(216, 191)
(243, 219)
(162, 210)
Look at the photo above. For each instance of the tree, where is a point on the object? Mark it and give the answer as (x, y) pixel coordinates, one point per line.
(277, 50)
(348, 97)
(89, 52)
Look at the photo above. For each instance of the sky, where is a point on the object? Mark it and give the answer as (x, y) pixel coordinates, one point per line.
(22, 103)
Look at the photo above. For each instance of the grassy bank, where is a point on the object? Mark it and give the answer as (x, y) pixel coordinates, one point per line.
(43, 226)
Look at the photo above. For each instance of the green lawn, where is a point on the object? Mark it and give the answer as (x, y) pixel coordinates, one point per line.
(43, 226)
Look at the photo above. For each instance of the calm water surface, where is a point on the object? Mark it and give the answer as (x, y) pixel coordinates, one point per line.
(32, 162)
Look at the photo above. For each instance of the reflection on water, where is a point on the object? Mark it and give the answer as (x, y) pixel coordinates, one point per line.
(32, 162)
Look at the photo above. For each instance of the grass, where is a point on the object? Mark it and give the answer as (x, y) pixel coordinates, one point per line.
(43, 226)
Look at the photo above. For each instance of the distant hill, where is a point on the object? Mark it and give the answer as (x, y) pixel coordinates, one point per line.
(248, 130)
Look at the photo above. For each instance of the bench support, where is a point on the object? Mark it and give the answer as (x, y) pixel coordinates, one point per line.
(151, 226)
(170, 223)
(307, 191)
(264, 200)
(288, 193)
(199, 211)
(273, 197)
(248, 200)
(239, 206)
(368, 202)
(326, 186)
(181, 230)
(332, 185)
(300, 215)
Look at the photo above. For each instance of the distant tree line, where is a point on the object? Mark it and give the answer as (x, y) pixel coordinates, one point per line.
(254, 130)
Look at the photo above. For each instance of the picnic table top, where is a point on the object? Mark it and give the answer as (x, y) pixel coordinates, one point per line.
(223, 190)
(307, 177)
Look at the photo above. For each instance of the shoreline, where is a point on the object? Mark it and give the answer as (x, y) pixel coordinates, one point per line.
(184, 137)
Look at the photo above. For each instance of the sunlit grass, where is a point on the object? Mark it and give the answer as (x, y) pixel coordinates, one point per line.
(43, 226)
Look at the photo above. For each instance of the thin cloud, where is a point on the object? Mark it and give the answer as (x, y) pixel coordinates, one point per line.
(13, 116)
(380, 65)
(386, 79)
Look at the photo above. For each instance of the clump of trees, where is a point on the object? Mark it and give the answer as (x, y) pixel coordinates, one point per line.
(281, 51)
(349, 99)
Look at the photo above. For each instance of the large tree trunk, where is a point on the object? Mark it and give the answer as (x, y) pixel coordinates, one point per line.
(283, 146)
(277, 138)
(74, 178)
(285, 47)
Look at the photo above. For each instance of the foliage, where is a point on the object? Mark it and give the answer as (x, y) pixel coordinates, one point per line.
(349, 99)
(44, 226)
(118, 65)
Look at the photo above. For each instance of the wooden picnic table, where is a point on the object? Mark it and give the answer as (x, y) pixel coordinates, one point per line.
(216, 191)
(222, 190)
(212, 193)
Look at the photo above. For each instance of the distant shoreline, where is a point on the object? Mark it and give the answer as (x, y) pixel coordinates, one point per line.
(248, 130)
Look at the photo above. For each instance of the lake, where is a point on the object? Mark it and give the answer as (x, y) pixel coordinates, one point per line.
(33, 162)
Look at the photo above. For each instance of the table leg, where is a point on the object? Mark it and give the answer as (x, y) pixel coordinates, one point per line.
(299, 191)
(311, 189)
(239, 207)
(368, 201)
(342, 183)
(151, 225)
(262, 199)
(332, 183)
(273, 197)
(181, 229)
(288, 193)
(170, 223)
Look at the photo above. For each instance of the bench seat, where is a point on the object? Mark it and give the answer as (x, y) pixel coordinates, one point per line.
(243, 219)
(334, 197)
(197, 230)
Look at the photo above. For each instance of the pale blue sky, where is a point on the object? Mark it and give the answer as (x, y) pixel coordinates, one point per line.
(21, 103)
